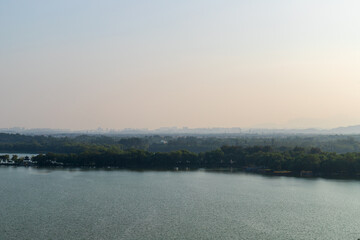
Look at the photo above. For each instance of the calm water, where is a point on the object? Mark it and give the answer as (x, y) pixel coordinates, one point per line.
(75, 204)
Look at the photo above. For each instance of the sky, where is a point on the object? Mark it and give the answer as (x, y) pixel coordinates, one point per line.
(84, 64)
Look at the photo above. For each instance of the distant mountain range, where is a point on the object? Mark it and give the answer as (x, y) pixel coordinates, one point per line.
(184, 131)
(347, 130)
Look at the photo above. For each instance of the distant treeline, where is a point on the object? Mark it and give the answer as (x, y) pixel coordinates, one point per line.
(296, 159)
(169, 143)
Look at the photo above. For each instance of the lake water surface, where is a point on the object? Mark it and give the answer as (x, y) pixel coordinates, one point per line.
(100, 204)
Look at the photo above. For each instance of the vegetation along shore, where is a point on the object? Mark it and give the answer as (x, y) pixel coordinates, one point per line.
(260, 159)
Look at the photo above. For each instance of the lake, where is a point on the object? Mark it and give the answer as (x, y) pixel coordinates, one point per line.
(114, 204)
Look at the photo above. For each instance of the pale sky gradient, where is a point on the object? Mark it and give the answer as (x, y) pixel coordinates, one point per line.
(83, 64)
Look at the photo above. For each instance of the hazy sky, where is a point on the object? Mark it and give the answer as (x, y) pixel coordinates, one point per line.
(82, 64)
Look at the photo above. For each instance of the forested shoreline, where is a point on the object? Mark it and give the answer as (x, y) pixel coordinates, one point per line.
(288, 155)
(261, 159)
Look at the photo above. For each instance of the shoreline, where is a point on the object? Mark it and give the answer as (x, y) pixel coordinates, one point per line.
(211, 170)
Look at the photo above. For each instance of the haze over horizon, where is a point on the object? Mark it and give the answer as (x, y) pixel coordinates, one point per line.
(348, 129)
(125, 64)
